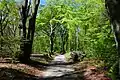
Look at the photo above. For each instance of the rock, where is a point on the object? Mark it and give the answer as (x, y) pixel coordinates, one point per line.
(77, 55)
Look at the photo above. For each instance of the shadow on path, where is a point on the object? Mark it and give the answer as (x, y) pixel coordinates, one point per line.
(54, 70)
(13, 74)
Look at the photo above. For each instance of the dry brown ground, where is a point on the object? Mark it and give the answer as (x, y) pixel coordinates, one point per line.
(19, 71)
(91, 71)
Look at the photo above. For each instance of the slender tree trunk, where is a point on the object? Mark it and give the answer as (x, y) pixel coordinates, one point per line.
(62, 43)
(76, 41)
(1, 46)
(63, 47)
(52, 36)
(63, 36)
(1, 32)
(51, 43)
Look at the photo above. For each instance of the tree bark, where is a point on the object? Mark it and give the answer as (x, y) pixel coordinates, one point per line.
(63, 40)
(113, 9)
(51, 43)
(27, 38)
(1, 39)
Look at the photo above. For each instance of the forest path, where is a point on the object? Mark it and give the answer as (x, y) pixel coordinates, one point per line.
(60, 70)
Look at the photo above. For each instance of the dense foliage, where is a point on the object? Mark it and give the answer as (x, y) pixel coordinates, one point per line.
(63, 26)
(9, 22)
(85, 26)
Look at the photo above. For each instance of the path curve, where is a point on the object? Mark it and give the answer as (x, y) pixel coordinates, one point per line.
(60, 72)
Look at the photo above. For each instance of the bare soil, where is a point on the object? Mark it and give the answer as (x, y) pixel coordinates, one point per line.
(19, 71)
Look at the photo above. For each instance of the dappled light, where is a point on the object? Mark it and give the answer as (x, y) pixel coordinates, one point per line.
(59, 40)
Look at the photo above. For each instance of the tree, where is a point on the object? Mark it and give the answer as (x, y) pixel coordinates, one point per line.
(58, 21)
(9, 19)
(63, 33)
(28, 18)
(47, 23)
(4, 11)
(113, 7)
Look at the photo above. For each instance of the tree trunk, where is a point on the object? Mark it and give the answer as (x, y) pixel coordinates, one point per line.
(63, 36)
(51, 43)
(1, 39)
(113, 8)
(28, 36)
(62, 43)
(76, 40)
(116, 25)
(25, 51)
(63, 47)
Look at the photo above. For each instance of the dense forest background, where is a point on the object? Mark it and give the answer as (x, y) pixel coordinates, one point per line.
(62, 26)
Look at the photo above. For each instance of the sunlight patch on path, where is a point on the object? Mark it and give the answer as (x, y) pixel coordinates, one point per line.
(60, 58)
(58, 70)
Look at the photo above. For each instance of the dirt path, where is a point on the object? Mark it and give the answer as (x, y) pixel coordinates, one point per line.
(76, 71)
(59, 70)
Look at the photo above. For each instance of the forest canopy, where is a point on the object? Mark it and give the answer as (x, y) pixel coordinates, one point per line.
(58, 26)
